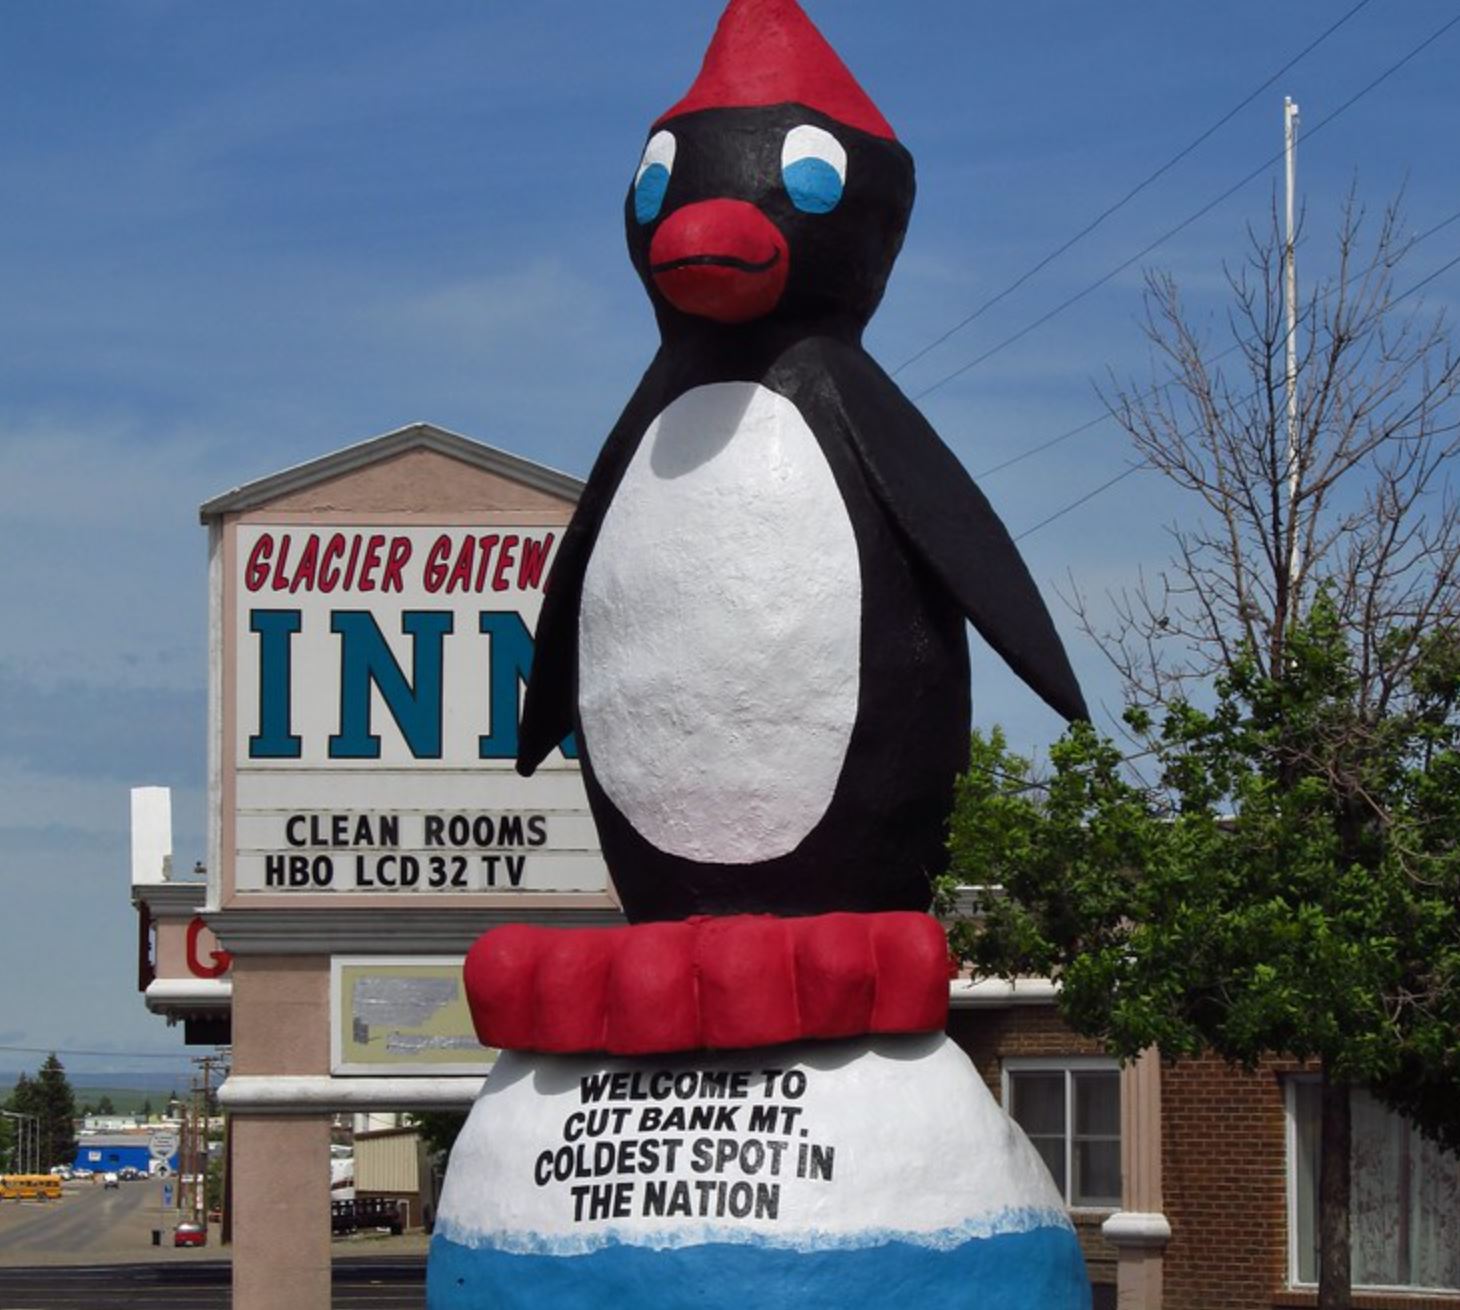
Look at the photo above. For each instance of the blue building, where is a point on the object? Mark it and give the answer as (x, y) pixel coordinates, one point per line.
(113, 1152)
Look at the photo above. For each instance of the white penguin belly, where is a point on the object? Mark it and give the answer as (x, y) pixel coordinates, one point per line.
(719, 637)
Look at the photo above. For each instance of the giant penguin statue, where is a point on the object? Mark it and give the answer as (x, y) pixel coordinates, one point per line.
(755, 620)
(755, 626)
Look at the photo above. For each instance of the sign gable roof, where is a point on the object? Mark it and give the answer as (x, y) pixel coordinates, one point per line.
(414, 437)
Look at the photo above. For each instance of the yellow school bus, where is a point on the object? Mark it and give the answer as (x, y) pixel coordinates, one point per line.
(30, 1187)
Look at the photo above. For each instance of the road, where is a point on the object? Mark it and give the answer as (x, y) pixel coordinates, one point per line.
(359, 1284)
(90, 1224)
(92, 1250)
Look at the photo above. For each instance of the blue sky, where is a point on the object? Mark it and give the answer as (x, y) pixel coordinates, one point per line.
(235, 237)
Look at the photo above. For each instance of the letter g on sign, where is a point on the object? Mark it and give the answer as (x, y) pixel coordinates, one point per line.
(222, 960)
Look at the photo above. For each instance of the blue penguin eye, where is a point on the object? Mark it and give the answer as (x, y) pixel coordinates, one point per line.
(814, 169)
(652, 179)
(649, 192)
(813, 185)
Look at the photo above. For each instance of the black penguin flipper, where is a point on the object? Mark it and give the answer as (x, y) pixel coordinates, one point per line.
(552, 685)
(953, 528)
(547, 710)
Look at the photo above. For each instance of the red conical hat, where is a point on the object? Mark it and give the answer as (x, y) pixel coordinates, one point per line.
(767, 52)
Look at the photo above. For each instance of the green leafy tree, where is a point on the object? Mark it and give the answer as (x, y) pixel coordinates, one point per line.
(57, 1110)
(105, 1106)
(1288, 881)
(46, 1098)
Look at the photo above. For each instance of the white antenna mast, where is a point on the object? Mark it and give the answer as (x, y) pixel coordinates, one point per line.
(1290, 294)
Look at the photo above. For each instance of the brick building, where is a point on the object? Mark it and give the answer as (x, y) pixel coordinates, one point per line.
(1212, 1203)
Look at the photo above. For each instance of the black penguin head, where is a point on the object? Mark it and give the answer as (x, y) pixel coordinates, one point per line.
(773, 189)
(738, 214)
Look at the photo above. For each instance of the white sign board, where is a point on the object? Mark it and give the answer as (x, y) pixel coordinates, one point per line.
(378, 692)
(163, 1144)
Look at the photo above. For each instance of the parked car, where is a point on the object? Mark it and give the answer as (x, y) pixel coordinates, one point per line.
(81, 1173)
(189, 1234)
(109, 1179)
(62, 1171)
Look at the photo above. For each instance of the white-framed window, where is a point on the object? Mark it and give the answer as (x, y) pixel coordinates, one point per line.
(1404, 1202)
(1069, 1108)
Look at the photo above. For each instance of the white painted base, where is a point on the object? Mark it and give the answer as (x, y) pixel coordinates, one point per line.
(876, 1173)
(855, 1142)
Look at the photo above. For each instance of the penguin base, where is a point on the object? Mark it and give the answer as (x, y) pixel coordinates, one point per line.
(820, 1174)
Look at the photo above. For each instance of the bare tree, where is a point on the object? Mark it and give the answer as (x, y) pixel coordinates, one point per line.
(1359, 500)
(1351, 506)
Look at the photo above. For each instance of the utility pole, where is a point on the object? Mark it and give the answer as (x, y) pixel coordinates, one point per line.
(200, 1154)
(189, 1156)
(207, 1063)
(180, 1110)
(1290, 295)
(182, 1152)
(203, 1095)
(27, 1149)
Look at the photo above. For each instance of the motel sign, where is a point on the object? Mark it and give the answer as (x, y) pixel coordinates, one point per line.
(373, 664)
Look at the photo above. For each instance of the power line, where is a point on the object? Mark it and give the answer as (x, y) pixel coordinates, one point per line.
(1425, 281)
(1042, 446)
(1129, 195)
(1429, 232)
(181, 1057)
(1186, 222)
(1135, 468)
(1220, 355)
(1075, 504)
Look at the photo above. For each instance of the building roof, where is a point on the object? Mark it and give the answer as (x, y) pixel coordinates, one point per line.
(415, 436)
(91, 1141)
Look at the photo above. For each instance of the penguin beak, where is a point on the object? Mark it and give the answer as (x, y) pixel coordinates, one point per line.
(720, 259)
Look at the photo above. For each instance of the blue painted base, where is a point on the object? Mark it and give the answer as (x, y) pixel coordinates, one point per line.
(1040, 1269)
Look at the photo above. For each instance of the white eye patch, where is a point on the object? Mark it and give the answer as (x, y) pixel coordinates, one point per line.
(660, 150)
(652, 179)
